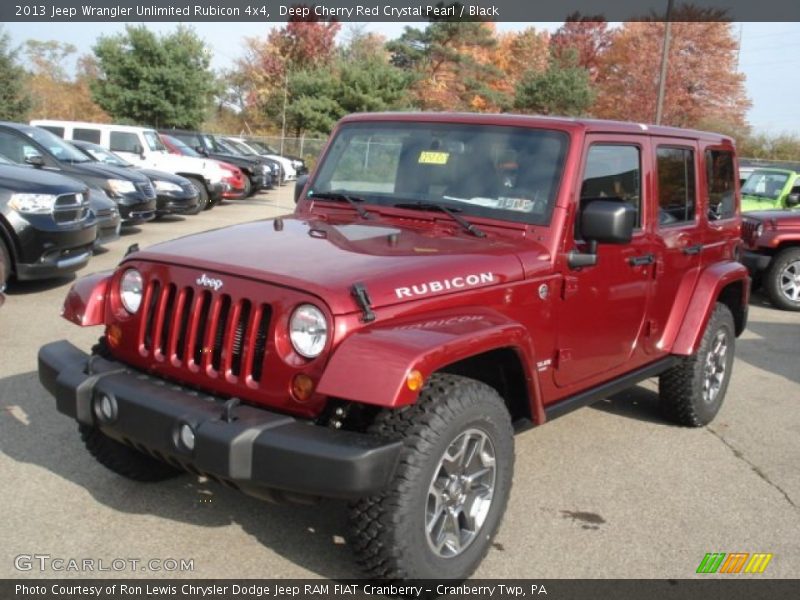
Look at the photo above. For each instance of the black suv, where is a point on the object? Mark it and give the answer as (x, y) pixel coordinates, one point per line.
(174, 194)
(132, 191)
(46, 226)
(207, 145)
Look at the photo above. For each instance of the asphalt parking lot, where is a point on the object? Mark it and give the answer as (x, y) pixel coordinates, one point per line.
(607, 491)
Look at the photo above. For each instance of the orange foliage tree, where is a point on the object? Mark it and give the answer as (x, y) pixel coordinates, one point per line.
(702, 81)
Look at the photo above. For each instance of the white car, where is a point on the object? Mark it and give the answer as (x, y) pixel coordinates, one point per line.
(289, 171)
(143, 147)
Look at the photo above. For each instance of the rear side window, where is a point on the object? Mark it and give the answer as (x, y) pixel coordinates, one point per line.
(613, 172)
(721, 178)
(122, 141)
(59, 131)
(677, 197)
(86, 135)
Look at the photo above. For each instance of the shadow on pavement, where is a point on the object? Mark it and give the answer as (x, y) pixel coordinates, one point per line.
(776, 350)
(22, 288)
(35, 433)
(635, 403)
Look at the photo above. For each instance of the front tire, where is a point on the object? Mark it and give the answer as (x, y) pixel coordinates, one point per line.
(782, 279)
(439, 514)
(691, 393)
(124, 460)
(202, 196)
(5, 266)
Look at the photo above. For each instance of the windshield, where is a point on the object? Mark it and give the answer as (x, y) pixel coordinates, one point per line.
(102, 155)
(509, 173)
(57, 147)
(153, 142)
(765, 184)
(182, 147)
(215, 145)
(263, 146)
(240, 147)
(5, 161)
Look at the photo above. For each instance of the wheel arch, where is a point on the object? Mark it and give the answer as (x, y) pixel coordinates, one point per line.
(9, 240)
(726, 282)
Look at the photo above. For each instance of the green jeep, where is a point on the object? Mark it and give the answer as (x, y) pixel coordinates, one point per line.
(771, 188)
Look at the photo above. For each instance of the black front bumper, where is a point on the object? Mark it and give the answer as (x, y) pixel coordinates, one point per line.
(258, 451)
(755, 261)
(215, 191)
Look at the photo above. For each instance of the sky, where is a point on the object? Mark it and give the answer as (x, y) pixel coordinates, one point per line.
(769, 56)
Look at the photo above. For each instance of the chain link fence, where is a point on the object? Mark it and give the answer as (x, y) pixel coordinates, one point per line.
(306, 147)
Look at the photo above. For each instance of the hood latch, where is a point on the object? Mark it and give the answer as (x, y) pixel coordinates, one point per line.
(359, 292)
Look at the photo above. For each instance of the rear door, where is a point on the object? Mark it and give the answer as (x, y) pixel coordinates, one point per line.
(678, 242)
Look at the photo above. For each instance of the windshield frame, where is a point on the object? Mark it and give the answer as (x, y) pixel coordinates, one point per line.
(465, 209)
(109, 157)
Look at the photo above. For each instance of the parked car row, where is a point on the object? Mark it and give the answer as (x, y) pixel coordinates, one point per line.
(68, 187)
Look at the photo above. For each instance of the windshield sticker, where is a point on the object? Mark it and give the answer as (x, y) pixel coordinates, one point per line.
(432, 287)
(433, 158)
(518, 204)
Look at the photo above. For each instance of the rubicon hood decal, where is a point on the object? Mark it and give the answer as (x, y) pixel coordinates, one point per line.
(455, 283)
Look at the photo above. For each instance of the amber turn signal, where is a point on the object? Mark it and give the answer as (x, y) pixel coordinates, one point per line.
(302, 387)
(414, 380)
(114, 336)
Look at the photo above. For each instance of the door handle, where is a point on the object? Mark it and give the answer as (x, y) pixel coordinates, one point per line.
(644, 259)
(696, 249)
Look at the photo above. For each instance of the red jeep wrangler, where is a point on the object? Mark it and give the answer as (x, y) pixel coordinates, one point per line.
(445, 280)
(772, 253)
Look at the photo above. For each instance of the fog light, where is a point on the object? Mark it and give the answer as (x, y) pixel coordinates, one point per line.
(302, 387)
(187, 436)
(105, 408)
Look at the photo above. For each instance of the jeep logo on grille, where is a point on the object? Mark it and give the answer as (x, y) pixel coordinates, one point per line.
(209, 282)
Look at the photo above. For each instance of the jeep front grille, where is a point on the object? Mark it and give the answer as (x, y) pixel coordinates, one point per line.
(204, 332)
(749, 229)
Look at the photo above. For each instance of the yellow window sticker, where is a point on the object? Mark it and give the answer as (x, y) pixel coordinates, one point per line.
(433, 158)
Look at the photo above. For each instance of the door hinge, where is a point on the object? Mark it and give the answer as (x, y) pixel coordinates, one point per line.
(562, 356)
(570, 287)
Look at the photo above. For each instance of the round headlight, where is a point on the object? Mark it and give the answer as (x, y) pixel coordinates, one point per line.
(308, 330)
(130, 290)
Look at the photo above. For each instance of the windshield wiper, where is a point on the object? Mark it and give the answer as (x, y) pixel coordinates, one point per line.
(450, 212)
(339, 197)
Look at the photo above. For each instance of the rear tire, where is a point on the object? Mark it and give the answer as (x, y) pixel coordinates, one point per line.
(124, 460)
(782, 279)
(202, 196)
(691, 393)
(248, 188)
(437, 517)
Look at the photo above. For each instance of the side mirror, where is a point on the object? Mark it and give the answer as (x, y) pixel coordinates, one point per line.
(603, 222)
(793, 199)
(35, 160)
(299, 184)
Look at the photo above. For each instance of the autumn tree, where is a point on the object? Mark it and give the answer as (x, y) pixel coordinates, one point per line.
(587, 36)
(564, 88)
(518, 53)
(14, 101)
(163, 81)
(57, 90)
(702, 80)
(447, 61)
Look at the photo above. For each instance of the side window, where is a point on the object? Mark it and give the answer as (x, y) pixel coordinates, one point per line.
(59, 131)
(122, 141)
(86, 135)
(721, 178)
(15, 148)
(614, 171)
(676, 185)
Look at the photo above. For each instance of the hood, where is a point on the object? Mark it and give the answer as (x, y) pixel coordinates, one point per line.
(164, 176)
(239, 161)
(781, 217)
(28, 180)
(325, 259)
(97, 169)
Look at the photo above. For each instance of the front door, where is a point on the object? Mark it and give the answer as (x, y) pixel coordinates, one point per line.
(603, 307)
